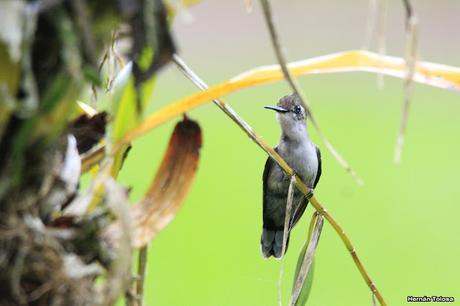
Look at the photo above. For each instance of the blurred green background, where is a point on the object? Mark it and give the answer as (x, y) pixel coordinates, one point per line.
(403, 221)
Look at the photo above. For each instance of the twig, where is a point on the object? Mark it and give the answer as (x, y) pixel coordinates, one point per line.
(376, 13)
(370, 28)
(288, 170)
(381, 43)
(223, 106)
(287, 227)
(92, 157)
(408, 9)
(115, 59)
(296, 89)
(84, 25)
(315, 232)
(410, 59)
(142, 264)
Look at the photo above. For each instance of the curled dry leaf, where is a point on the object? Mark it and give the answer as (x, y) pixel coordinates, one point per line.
(170, 185)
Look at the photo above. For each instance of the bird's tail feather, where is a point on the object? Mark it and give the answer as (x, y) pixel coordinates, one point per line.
(271, 242)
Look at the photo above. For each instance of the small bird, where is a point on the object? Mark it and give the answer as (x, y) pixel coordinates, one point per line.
(304, 157)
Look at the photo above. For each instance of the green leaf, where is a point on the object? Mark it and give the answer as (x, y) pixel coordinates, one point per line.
(303, 279)
(9, 80)
(126, 114)
(125, 111)
(306, 288)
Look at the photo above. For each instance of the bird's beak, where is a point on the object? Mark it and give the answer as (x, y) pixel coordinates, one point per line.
(277, 108)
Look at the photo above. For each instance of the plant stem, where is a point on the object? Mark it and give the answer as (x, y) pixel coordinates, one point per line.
(142, 264)
(410, 62)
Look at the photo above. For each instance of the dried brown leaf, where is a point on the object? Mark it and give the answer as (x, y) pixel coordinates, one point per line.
(170, 185)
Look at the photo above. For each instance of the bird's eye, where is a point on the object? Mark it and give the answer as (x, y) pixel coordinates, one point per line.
(297, 109)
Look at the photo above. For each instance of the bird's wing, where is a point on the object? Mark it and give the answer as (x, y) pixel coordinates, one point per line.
(318, 172)
(301, 208)
(268, 166)
(267, 169)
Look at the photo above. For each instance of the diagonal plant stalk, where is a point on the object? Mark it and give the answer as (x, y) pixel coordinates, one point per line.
(142, 265)
(370, 27)
(92, 157)
(381, 33)
(410, 61)
(288, 170)
(297, 90)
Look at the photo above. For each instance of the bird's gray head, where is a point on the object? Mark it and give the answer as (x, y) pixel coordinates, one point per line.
(291, 116)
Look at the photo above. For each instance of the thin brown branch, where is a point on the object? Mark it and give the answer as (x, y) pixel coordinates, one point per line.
(296, 89)
(370, 27)
(381, 41)
(225, 107)
(288, 170)
(408, 9)
(411, 61)
(142, 265)
(84, 24)
(92, 157)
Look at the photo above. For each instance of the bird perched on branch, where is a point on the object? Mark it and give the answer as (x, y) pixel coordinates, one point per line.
(304, 157)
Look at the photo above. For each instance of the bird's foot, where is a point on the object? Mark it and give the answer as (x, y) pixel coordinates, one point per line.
(310, 189)
(310, 194)
(295, 173)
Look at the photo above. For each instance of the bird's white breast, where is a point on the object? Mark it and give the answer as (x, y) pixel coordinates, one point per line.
(302, 158)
